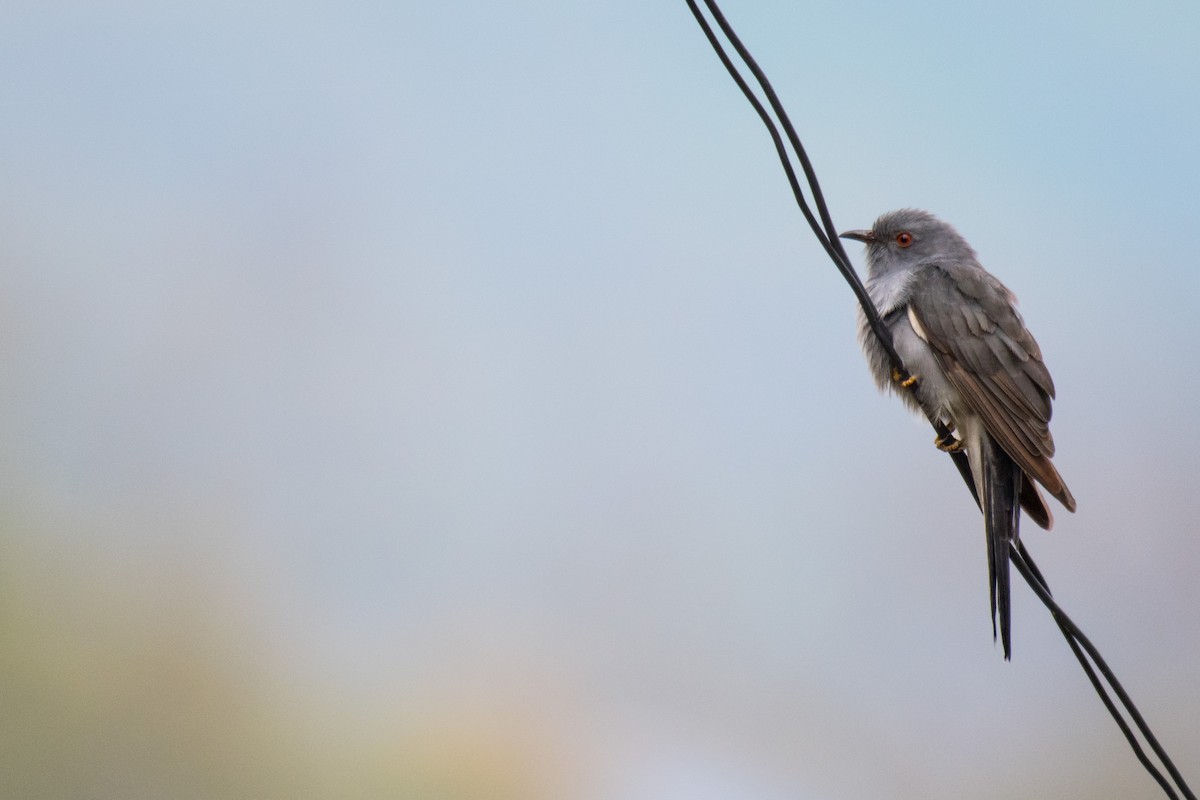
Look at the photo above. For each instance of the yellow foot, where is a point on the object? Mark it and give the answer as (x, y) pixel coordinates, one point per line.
(948, 445)
(900, 379)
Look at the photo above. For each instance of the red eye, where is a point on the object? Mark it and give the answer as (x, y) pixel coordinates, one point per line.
(904, 238)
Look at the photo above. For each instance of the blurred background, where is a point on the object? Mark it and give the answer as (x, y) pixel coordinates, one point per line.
(448, 401)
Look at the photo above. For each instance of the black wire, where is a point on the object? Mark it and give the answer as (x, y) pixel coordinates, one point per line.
(1024, 563)
(827, 234)
(830, 241)
(802, 155)
(1079, 642)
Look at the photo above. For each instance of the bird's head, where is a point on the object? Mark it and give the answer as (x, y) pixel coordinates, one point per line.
(905, 239)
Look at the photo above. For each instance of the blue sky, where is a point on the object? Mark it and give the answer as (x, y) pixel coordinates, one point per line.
(474, 361)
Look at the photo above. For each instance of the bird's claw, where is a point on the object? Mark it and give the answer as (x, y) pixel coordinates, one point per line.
(899, 378)
(948, 444)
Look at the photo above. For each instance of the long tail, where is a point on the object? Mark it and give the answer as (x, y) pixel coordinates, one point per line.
(1001, 518)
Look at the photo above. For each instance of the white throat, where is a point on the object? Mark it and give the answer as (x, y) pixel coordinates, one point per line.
(889, 292)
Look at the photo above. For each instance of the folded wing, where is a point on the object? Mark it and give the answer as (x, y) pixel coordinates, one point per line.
(990, 357)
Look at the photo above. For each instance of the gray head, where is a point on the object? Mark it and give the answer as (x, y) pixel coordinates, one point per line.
(909, 237)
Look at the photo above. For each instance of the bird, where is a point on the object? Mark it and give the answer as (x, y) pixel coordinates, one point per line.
(973, 365)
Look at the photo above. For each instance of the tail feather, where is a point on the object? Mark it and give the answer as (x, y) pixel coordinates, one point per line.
(1002, 489)
(1034, 504)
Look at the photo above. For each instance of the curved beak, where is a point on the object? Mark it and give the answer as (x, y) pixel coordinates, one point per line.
(861, 236)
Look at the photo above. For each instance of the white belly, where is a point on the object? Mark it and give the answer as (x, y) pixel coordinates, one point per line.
(935, 393)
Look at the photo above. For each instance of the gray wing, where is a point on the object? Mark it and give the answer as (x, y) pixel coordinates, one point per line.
(991, 358)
